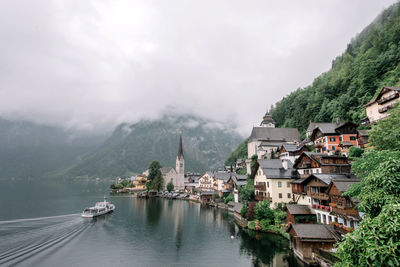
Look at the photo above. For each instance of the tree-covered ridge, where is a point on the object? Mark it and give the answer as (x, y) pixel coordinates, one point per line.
(240, 153)
(371, 61)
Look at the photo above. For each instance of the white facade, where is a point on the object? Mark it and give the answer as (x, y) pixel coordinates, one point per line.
(206, 182)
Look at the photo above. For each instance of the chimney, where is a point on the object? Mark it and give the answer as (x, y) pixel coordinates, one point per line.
(337, 120)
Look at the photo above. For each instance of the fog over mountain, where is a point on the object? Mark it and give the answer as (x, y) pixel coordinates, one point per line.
(91, 65)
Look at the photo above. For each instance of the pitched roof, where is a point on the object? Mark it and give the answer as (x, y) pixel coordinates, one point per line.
(298, 181)
(293, 147)
(314, 232)
(273, 168)
(166, 170)
(322, 125)
(344, 184)
(317, 158)
(299, 209)
(385, 88)
(223, 176)
(328, 177)
(363, 133)
(275, 134)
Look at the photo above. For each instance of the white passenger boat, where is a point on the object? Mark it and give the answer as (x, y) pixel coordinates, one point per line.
(99, 209)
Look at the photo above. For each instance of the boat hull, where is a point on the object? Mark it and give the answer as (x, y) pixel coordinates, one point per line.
(97, 214)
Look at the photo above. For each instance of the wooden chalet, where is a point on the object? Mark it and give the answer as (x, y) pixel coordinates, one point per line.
(299, 214)
(311, 162)
(306, 239)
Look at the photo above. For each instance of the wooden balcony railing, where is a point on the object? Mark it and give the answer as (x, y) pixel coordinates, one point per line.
(260, 187)
(388, 98)
(321, 196)
(261, 198)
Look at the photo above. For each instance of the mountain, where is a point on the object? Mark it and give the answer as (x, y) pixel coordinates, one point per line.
(131, 148)
(371, 61)
(29, 149)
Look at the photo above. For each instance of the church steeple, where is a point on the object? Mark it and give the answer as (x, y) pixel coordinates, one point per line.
(180, 161)
(268, 121)
(180, 151)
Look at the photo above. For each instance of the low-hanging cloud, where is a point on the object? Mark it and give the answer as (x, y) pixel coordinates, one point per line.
(93, 64)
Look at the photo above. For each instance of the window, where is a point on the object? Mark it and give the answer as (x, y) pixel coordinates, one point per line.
(332, 139)
(267, 184)
(352, 138)
(333, 147)
(324, 149)
(287, 184)
(280, 195)
(318, 150)
(288, 195)
(279, 184)
(340, 139)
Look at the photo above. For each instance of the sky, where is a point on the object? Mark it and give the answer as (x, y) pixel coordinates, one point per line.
(90, 65)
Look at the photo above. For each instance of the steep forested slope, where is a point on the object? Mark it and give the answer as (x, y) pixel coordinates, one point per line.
(371, 60)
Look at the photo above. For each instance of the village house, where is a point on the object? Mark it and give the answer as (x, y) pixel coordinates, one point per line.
(292, 151)
(306, 239)
(265, 140)
(272, 179)
(363, 138)
(233, 184)
(207, 182)
(299, 193)
(299, 214)
(343, 207)
(191, 183)
(317, 189)
(332, 137)
(378, 107)
(206, 197)
(221, 179)
(139, 181)
(311, 162)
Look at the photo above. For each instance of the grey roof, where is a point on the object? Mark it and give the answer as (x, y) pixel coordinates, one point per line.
(208, 193)
(241, 177)
(328, 177)
(344, 184)
(273, 168)
(292, 147)
(326, 127)
(317, 157)
(278, 144)
(238, 207)
(165, 170)
(315, 231)
(223, 176)
(363, 133)
(299, 209)
(314, 125)
(275, 134)
(298, 181)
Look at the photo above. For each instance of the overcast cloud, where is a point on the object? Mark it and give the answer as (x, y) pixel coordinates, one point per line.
(93, 64)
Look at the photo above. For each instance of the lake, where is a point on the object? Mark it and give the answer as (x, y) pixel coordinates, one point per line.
(40, 226)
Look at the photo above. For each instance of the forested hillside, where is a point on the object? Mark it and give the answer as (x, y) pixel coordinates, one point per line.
(371, 60)
(131, 148)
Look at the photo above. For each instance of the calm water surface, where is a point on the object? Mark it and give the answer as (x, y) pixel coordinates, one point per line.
(40, 226)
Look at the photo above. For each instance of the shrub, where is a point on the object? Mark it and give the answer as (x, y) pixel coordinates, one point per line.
(230, 197)
(263, 211)
(216, 196)
(355, 152)
(251, 225)
(265, 224)
(243, 211)
(279, 216)
(170, 186)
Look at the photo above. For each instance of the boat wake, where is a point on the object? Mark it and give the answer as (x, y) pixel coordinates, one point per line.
(25, 238)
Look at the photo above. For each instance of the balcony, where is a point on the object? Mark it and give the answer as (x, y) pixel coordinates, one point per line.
(321, 207)
(386, 108)
(388, 98)
(318, 145)
(260, 187)
(321, 196)
(261, 198)
(346, 210)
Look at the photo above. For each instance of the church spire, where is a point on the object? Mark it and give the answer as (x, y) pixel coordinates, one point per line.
(180, 152)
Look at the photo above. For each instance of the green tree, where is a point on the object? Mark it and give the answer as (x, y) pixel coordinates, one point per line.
(355, 152)
(230, 197)
(155, 179)
(385, 135)
(170, 186)
(264, 212)
(375, 243)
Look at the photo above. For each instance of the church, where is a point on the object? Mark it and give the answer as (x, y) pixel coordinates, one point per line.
(177, 176)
